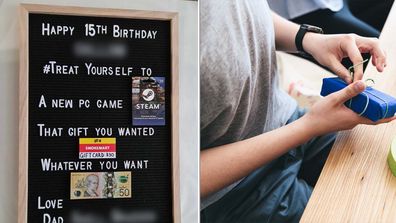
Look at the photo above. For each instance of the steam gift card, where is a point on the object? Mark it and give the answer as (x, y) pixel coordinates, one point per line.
(148, 101)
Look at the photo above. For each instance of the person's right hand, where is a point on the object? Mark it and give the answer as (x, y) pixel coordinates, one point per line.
(330, 114)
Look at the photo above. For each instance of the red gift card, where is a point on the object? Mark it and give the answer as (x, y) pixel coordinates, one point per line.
(97, 148)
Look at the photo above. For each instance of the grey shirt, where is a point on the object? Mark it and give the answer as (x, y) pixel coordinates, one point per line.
(240, 94)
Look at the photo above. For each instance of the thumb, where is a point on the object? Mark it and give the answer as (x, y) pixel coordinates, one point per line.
(350, 91)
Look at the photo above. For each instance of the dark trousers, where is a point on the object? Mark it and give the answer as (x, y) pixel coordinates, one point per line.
(372, 12)
(276, 192)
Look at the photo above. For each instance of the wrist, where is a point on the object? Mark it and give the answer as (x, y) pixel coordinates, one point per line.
(302, 36)
(308, 126)
(309, 42)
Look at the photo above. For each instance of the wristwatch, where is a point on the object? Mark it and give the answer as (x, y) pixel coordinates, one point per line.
(304, 28)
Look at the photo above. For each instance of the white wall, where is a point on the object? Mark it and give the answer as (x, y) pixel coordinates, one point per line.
(189, 119)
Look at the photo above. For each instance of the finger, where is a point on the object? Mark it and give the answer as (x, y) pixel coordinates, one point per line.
(385, 120)
(367, 121)
(380, 56)
(380, 62)
(340, 70)
(374, 61)
(373, 46)
(351, 49)
(382, 67)
(349, 92)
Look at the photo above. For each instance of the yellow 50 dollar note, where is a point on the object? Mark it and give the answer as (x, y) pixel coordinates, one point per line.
(100, 185)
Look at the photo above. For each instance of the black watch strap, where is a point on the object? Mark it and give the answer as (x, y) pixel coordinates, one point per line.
(304, 28)
(298, 41)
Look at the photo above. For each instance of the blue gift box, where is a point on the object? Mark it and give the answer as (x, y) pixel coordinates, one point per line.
(371, 103)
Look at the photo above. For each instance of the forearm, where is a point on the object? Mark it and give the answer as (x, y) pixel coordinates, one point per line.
(223, 165)
(285, 33)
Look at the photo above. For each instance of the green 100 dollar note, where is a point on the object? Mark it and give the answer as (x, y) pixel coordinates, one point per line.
(100, 185)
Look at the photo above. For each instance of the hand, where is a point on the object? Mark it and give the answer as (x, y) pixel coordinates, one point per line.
(329, 50)
(330, 114)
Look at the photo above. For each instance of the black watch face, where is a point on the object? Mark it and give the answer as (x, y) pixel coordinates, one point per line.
(313, 29)
(316, 29)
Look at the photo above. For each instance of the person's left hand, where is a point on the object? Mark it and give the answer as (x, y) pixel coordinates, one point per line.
(329, 50)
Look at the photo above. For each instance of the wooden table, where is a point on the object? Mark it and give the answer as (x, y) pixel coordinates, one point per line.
(356, 184)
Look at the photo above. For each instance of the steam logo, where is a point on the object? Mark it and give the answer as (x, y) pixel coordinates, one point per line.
(148, 95)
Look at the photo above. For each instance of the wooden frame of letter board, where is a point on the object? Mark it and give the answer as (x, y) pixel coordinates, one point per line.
(25, 9)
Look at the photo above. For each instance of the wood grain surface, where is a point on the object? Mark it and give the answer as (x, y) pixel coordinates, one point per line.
(356, 184)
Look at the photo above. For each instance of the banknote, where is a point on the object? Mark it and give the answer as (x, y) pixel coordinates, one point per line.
(100, 185)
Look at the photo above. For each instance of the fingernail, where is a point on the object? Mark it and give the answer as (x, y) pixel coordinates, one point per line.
(359, 85)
